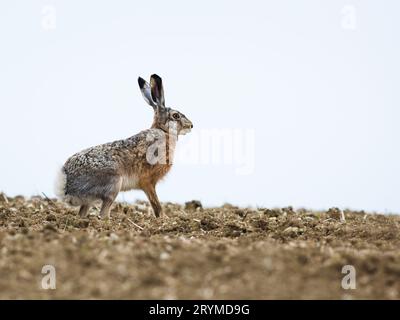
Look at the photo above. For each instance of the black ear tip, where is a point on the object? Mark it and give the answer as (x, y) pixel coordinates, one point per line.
(141, 82)
(156, 77)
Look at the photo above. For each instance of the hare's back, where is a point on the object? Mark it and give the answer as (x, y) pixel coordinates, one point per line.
(92, 160)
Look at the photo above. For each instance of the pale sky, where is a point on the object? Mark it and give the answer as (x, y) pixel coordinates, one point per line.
(315, 83)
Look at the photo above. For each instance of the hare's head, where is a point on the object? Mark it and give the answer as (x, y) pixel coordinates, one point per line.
(166, 119)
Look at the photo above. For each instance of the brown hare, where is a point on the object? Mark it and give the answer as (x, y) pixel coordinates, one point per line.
(138, 162)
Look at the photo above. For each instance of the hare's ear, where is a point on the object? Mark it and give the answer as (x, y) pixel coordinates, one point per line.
(157, 91)
(146, 91)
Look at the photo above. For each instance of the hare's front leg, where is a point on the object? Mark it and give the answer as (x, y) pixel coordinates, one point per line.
(151, 194)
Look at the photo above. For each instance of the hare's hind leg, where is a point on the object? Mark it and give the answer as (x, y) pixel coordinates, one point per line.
(106, 207)
(83, 211)
(109, 198)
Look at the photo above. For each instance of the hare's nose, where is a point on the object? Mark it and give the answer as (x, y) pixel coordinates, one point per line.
(191, 126)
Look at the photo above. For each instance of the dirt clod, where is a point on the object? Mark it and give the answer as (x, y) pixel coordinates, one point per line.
(51, 217)
(336, 213)
(193, 205)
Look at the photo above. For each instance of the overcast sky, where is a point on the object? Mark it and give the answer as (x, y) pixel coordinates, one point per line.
(304, 95)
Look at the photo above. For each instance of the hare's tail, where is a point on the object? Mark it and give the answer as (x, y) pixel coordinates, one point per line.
(60, 184)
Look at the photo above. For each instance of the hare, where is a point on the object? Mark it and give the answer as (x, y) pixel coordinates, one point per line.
(138, 162)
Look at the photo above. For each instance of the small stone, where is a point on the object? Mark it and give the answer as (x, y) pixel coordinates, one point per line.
(164, 256)
(241, 213)
(51, 217)
(193, 205)
(291, 231)
(336, 213)
(208, 224)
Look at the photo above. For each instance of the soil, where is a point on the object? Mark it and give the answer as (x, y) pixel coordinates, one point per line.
(195, 253)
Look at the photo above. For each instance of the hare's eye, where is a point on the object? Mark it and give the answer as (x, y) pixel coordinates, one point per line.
(176, 116)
